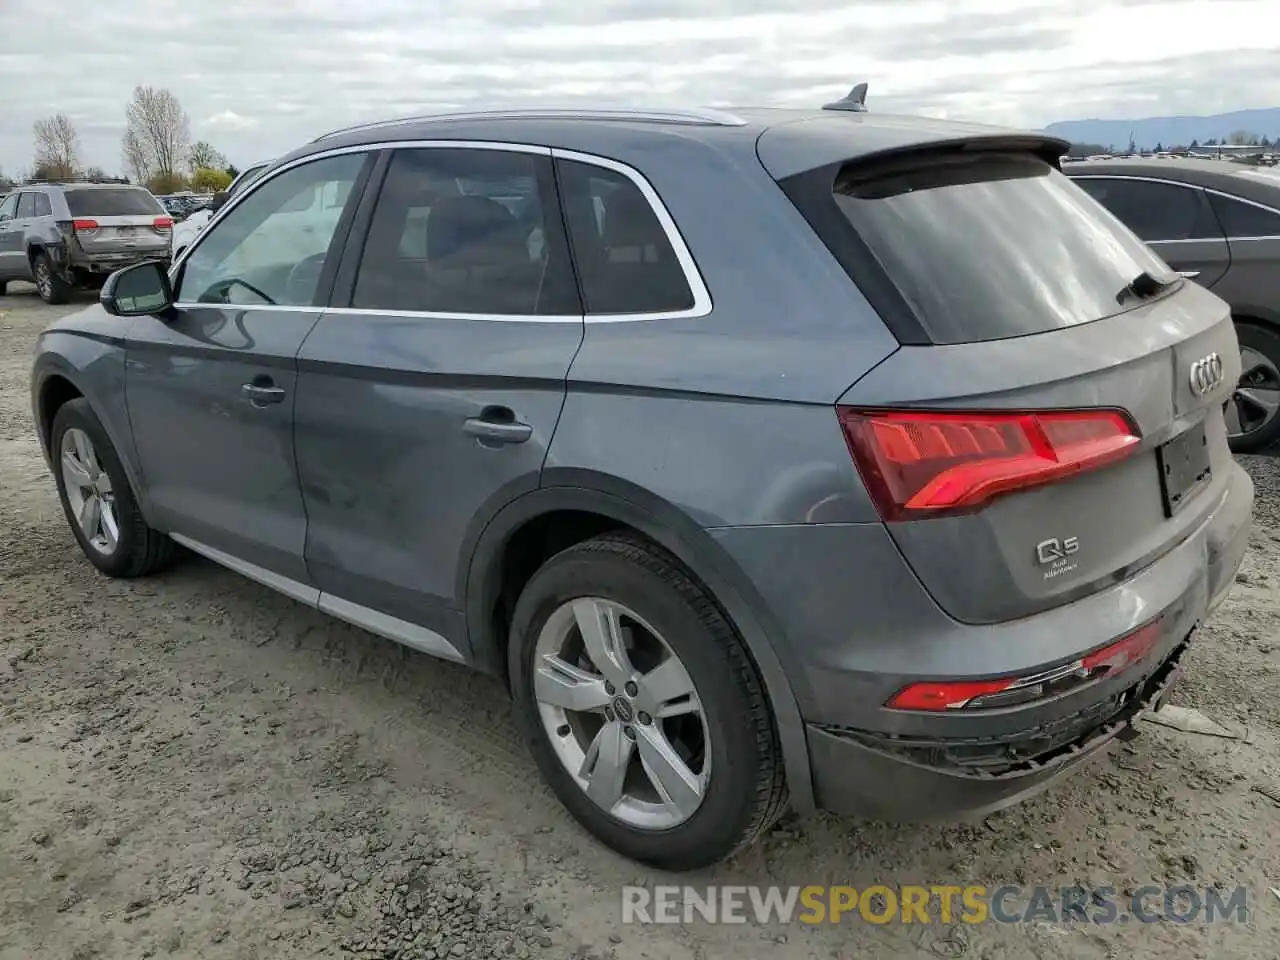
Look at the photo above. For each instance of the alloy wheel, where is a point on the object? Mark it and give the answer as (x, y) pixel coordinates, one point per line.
(89, 492)
(1256, 400)
(44, 279)
(621, 713)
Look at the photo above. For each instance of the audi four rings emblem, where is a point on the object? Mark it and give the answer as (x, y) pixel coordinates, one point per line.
(1206, 374)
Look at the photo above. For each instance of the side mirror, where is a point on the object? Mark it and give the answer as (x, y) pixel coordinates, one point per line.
(137, 291)
(219, 198)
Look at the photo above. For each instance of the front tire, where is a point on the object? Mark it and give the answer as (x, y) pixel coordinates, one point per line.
(642, 707)
(96, 497)
(1253, 412)
(53, 289)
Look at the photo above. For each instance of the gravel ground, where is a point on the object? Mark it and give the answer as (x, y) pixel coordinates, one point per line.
(193, 766)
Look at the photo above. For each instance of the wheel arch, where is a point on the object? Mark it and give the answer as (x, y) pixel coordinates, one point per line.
(585, 504)
(57, 383)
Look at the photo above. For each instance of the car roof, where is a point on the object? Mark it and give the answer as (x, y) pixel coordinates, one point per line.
(1259, 184)
(810, 137)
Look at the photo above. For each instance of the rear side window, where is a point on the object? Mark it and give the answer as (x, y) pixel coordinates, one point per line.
(112, 202)
(1241, 219)
(1155, 211)
(626, 264)
(460, 231)
(973, 247)
(26, 205)
(43, 208)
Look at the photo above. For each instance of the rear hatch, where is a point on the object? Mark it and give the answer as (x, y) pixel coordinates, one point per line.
(119, 222)
(1053, 420)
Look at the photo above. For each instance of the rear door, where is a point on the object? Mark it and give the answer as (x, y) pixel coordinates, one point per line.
(1018, 297)
(1176, 219)
(429, 392)
(124, 223)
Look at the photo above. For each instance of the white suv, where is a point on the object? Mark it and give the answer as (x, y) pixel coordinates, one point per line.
(189, 229)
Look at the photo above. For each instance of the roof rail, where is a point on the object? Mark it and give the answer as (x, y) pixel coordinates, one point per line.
(701, 116)
(35, 182)
(854, 101)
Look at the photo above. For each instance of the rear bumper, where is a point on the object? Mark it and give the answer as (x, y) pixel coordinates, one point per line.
(107, 263)
(856, 626)
(880, 778)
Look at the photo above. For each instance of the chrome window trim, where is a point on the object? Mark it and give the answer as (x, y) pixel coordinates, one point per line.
(702, 302)
(1189, 186)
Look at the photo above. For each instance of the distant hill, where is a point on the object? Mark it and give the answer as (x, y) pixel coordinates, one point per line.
(1169, 131)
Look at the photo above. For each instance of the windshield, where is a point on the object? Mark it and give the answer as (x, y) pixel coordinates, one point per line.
(986, 246)
(246, 178)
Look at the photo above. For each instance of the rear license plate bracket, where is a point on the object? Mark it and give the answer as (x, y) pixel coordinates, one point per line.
(1185, 469)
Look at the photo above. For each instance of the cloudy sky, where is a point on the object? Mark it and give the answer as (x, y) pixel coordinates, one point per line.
(256, 77)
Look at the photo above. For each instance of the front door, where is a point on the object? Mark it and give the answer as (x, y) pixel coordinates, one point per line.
(428, 396)
(211, 388)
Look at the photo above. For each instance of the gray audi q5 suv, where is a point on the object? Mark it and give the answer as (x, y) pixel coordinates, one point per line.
(805, 458)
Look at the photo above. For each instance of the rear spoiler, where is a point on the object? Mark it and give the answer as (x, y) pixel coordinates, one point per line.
(1047, 148)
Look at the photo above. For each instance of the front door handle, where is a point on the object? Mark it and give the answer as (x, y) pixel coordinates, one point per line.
(497, 425)
(262, 394)
(1189, 274)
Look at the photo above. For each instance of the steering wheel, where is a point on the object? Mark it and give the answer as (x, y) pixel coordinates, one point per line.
(217, 293)
(304, 278)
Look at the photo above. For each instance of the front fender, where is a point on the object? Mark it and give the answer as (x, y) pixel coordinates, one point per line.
(94, 365)
(587, 491)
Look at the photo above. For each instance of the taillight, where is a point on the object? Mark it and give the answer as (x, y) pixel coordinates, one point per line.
(943, 695)
(84, 226)
(918, 464)
(163, 223)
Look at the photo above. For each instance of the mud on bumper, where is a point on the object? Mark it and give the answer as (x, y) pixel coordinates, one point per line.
(913, 779)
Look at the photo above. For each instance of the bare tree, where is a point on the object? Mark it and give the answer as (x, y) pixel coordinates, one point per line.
(137, 164)
(57, 145)
(204, 157)
(158, 132)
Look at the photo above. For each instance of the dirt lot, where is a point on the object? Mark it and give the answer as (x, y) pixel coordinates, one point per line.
(193, 766)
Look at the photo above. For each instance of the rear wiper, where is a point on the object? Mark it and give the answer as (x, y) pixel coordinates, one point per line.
(1143, 286)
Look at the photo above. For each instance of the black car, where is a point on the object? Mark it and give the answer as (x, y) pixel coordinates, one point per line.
(1218, 223)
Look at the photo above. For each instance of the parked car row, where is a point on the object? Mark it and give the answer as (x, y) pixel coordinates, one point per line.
(772, 458)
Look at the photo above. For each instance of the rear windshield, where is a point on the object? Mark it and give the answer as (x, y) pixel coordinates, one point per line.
(112, 202)
(979, 246)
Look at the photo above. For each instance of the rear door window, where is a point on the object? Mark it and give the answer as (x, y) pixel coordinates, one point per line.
(112, 202)
(26, 205)
(1155, 211)
(467, 232)
(975, 246)
(1241, 220)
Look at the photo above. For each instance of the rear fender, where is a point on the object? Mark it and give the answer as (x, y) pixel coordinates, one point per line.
(664, 524)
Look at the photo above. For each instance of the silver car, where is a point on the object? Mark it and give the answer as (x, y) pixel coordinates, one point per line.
(72, 235)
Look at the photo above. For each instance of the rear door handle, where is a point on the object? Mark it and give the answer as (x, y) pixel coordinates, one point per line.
(1189, 274)
(262, 394)
(497, 425)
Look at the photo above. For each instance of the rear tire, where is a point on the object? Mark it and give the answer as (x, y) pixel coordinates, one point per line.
(53, 289)
(741, 784)
(1260, 380)
(87, 468)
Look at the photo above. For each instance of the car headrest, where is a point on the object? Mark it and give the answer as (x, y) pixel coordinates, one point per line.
(471, 229)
